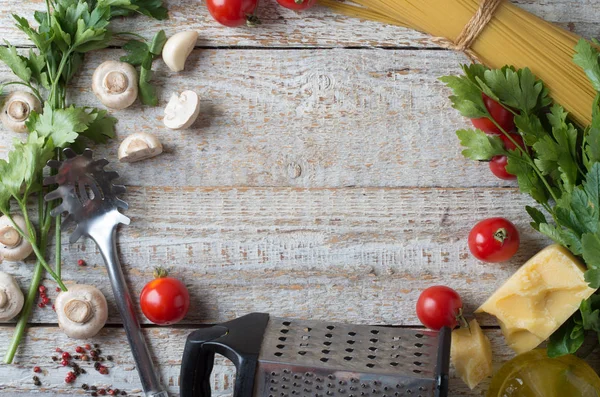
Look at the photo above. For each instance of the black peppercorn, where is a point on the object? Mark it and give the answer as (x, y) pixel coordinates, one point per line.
(85, 386)
(94, 394)
(109, 358)
(93, 388)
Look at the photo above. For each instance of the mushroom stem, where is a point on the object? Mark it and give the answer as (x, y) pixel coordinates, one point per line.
(78, 311)
(115, 82)
(3, 299)
(18, 110)
(9, 237)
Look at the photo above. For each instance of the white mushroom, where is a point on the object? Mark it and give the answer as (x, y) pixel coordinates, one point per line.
(139, 146)
(17, 108)
(82, 311)
(115, 84)
(178, 48)
(12, 245)
(182, 110)
(11, 297)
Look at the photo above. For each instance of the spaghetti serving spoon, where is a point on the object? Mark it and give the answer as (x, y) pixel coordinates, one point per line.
(91, 201)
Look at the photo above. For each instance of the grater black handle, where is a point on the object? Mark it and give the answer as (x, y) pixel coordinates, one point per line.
(238, 340)
(443, 362)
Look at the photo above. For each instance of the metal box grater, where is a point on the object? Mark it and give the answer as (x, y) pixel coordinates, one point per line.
(279, 357)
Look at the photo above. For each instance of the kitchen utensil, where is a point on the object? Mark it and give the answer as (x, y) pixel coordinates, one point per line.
(279, 357)
(90, 199)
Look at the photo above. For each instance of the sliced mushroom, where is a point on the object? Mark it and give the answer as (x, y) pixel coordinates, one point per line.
(178, 48)
(11, 297)
(82, 311)
(139, 146)
(182, 110)
(17, 108)
(115, 84)
(12, 245)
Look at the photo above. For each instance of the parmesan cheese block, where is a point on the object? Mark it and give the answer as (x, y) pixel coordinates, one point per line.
(471, 354)
(538, 298)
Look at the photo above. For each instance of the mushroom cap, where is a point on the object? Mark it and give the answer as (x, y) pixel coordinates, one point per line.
(139, 146)
(12, 246)
(182, 110)
(11, 297)
(17, 107)
(115, 84)
(177, 48)
(82, 311)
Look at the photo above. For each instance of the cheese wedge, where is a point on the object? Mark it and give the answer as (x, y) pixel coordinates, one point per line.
(538, 298)
(471, 354)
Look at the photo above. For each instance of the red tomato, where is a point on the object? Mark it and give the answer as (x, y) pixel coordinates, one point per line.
(498, 163)
(494, 240)
(165, 300)
(439, 307)
(502, 116)
(297, 4)
(498, 168)
(233, 13)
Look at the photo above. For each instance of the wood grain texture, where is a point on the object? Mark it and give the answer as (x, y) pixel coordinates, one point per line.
(167, 349)
(313, 118)
(350, 255)
(317, 27)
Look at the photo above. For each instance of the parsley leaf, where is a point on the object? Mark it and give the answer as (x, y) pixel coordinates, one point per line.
(591, 254)
(586, 56)
(479, 145)
(537, 216)
(61, 125)
(467, 97)
(136, 52)
(568, 338)
(15, 62)
(590, 313)
(518, 89)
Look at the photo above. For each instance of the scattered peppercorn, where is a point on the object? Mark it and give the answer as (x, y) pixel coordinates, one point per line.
(96, 345)
(41, 305)
(103, 370)
(109, 358)
(58, 350)
(66, 356)
(37, 383)
(87, 346)
(54, 358)
(53, 308)
(123, 393)
(98, 351)
(111, 392)
(37, 369)
(79, 349)
(45, 300)
(92, 387)
(94, 394)
(83, 371)
(64, 363)
(77, 357)
(81, 262)
(100, 359)
(93, 353)
(116, 391)
(57, 289)
(85, 357)
(42, 289)
(85, 386)
(35, 379)
(101, 392)
(97, 366)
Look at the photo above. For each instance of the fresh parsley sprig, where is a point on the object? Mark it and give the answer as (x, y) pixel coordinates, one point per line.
(67, 30)
(140, 53)
(559, 166)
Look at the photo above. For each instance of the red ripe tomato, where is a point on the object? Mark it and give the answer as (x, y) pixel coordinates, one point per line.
(498, 168)
(165, 300)
(439, 307)
(233, 13)
(297, 4)
(498, 163)
(502, 116)
(494, 240)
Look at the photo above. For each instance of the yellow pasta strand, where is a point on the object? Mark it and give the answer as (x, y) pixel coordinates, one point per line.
(512, 37)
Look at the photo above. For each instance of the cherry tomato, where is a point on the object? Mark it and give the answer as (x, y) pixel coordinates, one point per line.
(233, 13)
(498, 168)
(165, 300)
(502, 116)
(297, 4)
(439, 307)
(498, 163)
(494, 240)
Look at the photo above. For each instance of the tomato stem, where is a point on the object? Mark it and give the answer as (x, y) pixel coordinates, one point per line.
(160, 272)
(500, 235)
(462, 321)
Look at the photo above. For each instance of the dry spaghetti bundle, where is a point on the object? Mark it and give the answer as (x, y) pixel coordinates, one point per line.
(496, 33)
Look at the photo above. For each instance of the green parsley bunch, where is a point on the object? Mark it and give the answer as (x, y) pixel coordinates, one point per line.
(559, 166)
(65, 32)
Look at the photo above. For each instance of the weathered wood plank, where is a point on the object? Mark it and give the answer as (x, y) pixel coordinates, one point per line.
(315, 118)
(167, 347)
(317, 27)
(353, 255)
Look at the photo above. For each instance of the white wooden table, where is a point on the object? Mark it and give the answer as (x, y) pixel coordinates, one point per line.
(323, 180)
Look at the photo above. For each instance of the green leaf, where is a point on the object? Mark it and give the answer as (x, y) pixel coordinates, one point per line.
(136, 52)
(592, 188)
(36, 64)
(61, 125)
(530, 127)
(586, 56)
(565, 237)
(517, 89)
(584, 211)
(591, 254)
(147, 90)
(467, 98)
(102, 128)
(41, 40)
(158, 42)
(479, 145)
(567, 339)
(590, 313)
(537, 216)
(15, 62)
(152, 8)
(529, 181)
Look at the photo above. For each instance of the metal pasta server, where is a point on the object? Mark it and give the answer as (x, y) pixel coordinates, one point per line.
(278, 357)
(90, 199)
